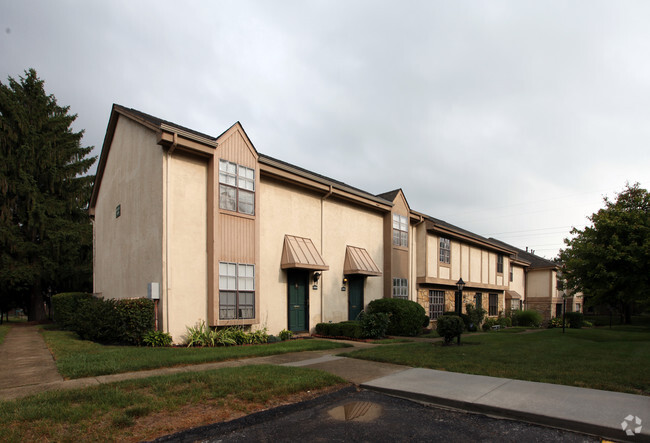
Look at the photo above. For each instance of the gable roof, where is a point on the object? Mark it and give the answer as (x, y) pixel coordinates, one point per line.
(160, 125)
(536, 262)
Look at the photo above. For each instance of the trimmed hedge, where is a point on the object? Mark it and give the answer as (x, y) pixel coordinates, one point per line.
(65, 306)
(104, 321)
(406, 317)
(575, 320)
(352, 329)
(528, 317)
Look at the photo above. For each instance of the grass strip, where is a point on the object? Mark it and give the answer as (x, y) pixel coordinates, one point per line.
(77, 358)
(4, 328)
(135, 410)
(612, 360)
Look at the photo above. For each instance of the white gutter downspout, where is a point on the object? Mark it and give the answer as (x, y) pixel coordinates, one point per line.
(322, 205)
(167, 284)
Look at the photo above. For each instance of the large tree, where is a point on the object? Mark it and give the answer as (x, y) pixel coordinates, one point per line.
(609, 261)
(45, 231)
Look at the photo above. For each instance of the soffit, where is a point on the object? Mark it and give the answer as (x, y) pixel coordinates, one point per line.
(359, 262)
(300, 253)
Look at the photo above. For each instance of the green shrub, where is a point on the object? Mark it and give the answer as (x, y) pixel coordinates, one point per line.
(157, 339)
(406, 317)
(449, 327)
(555, 322)
(576, 320)
(134, 318)
(504, 322)
(475, 317)
(375, 325)
(285, 335)
(351, 329)
(527, 317)
(65, 307)
(427, 321)
(487, 325)
(587, 324)
(202, 335)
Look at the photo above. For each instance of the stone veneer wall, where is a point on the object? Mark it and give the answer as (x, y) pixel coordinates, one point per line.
(468, 297)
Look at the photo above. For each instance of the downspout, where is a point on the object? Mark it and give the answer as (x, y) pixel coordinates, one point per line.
(322, 223)
(413, 264)
(166, 301)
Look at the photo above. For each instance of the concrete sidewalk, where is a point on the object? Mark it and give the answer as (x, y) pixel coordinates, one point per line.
(590, 411)
(26, 360)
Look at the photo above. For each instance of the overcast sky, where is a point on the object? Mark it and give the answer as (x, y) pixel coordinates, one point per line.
(511, 119)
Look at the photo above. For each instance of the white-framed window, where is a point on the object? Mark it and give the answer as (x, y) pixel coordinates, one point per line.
(494, 304)
(236, 291)
(236, 187)
(500, 264)
(400, 230)
(436, 304)
(445, 250)
(512, 276)
(400, 288)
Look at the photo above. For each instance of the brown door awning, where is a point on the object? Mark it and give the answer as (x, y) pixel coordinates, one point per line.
(300, 253)
(359, 262)
(512, 295)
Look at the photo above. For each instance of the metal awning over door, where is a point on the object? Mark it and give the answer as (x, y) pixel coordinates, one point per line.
(359, 262)
(300, 253)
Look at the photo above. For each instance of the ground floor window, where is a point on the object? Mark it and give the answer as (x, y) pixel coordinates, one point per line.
(436, 304)
(400, 288)
(494, 304)
(515, 305)
(236, 291)
(478, 299)
(558, 310)
(578, 307)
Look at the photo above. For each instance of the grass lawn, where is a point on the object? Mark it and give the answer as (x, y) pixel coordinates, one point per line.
(77, 358)
(388, 341)
(4, 328)
(144, 409)
(613, 360)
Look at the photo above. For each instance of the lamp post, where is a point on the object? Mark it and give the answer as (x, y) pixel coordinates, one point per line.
(563, 310)
(460, 284)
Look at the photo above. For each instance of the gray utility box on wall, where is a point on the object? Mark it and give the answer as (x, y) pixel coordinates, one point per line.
(153, 290)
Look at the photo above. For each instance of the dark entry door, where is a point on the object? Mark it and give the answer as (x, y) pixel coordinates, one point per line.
(355, 297)
(298, 307)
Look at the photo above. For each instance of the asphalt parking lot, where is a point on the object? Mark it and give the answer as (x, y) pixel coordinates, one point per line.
(359, 415)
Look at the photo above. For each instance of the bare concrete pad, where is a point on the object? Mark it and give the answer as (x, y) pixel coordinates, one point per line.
(357, 371)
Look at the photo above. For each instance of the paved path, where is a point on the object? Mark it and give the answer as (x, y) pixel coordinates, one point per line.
(25, 360)
(589, 411)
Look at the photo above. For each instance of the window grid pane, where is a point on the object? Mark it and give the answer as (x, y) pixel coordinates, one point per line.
(445, 250)
(227, 197)
(436, 304)
(493, 304)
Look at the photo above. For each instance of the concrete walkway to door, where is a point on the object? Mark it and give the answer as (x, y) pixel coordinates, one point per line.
(25, 358)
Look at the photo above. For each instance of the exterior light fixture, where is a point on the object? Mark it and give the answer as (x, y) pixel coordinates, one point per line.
(316, 276)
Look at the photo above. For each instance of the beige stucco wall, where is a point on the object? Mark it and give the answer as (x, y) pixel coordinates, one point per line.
(538, 284)
(186, 299)
(286, 209)
(518, 282)
(128, 249)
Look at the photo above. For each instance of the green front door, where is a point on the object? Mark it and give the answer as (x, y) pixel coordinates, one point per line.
(355, 297)
(298, 306)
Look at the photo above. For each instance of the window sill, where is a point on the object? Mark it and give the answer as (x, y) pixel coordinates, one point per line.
(236, 214)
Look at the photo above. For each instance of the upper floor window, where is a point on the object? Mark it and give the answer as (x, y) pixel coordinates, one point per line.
(400, 230)
(400, 288)
(445, 250)
(236, 187)
(511, 274)
(500, 264)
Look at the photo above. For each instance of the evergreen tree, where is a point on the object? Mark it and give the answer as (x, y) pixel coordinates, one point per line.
(45, 230)
(610, 260)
